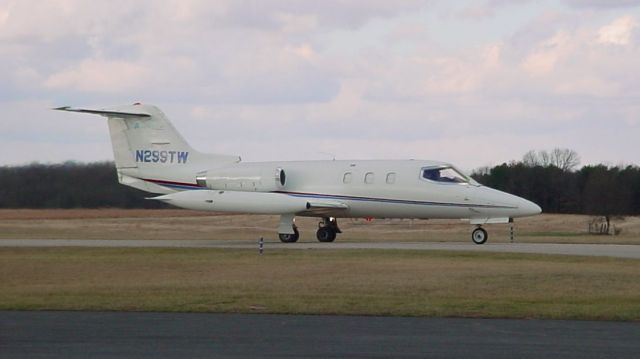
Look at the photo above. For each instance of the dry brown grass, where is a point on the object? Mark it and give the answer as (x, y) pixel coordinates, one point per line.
(183, 224)
(314, 282)
(43, 214)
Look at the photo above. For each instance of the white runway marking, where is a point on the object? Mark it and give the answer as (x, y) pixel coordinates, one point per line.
(602, 250)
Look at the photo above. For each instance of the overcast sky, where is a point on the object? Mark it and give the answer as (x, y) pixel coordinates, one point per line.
(471, 82)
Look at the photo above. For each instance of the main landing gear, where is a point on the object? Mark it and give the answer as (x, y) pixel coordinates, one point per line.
(479, 235)
(327, 230)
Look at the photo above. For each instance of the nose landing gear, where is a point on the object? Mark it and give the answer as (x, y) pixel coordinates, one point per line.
(290, 237)
(479, 235)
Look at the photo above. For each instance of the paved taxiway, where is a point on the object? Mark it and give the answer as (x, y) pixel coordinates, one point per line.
(190, 335)
(606, 250)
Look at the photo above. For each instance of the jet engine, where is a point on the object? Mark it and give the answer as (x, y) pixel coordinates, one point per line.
(245, 179)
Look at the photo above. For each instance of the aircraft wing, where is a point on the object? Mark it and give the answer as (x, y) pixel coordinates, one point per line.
(107, 113)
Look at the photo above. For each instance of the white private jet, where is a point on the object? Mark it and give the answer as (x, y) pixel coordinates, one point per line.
(152, 156)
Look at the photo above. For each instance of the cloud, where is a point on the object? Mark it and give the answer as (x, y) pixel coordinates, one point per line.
(547, 54)
(289, 79)
(252, 52)
(619, 32)
(603, 4)
(4, 15)
(340, 13)
(100, 76)
(485, 9)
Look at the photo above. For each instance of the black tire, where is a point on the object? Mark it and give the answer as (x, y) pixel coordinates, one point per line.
(326, 234)
(479, 236)
(289, 238)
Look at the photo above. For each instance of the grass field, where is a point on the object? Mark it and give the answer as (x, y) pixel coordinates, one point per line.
(321, 282)
(368, 282)
(183, 224)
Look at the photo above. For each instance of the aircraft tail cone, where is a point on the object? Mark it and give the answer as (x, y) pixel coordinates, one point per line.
(163, 198)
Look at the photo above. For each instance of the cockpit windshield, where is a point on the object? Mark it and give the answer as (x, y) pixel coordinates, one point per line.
(445, 174)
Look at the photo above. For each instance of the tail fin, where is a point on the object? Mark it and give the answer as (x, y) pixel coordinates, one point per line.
(149, 152)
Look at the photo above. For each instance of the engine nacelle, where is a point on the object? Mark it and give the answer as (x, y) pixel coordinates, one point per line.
(244, 179)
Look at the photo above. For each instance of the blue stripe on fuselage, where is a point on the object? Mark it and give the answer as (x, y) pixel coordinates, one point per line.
(389, 200)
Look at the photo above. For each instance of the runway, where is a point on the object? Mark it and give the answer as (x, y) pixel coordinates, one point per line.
(601, 250)
(190, 335)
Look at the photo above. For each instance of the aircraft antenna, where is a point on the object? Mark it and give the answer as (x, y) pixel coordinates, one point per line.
(333, 155)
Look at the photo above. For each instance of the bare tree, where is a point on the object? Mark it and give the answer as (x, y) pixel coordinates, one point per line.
(536, 158)
(531, 159)
(545, 158)
(563, 158)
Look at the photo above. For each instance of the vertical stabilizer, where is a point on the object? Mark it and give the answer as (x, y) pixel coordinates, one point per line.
(149, 152)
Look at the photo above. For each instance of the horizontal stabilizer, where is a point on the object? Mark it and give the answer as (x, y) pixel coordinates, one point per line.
(106, 113)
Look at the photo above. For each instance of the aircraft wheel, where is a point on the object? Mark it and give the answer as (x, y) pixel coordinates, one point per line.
(479, 235)
(290, 238)
(326, 234)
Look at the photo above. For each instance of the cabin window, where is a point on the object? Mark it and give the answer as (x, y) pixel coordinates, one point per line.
(444, 175)
(391, 177)
(347, 178)
(369, 177)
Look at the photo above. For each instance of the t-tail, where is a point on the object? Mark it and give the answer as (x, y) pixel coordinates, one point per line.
(149, 153)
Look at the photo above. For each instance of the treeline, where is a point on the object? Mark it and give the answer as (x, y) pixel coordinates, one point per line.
(559, 188)
(68, 185)
(548, 179)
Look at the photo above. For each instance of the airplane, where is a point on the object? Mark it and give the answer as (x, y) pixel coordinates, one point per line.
(152, 156)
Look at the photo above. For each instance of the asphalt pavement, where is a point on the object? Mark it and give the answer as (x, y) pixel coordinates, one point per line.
(200, 335)
(603, 250)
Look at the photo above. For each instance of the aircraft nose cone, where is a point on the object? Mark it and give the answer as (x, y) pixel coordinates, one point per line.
(513, 206)
(528, 208)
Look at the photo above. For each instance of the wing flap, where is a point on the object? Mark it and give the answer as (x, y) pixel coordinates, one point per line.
(326, 205)
(326, 208)
(489, 220)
